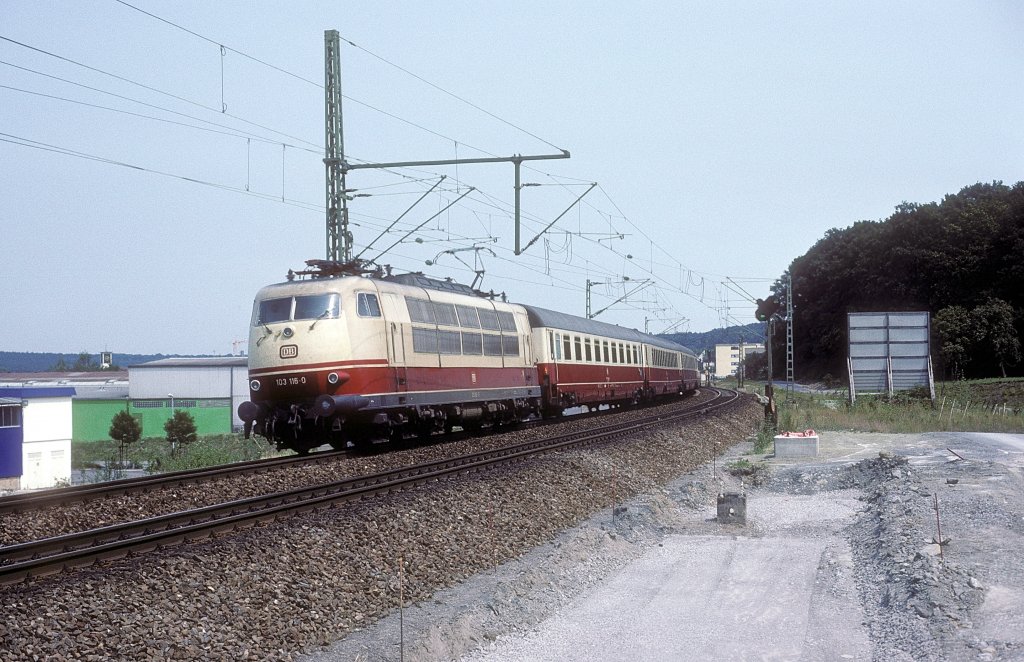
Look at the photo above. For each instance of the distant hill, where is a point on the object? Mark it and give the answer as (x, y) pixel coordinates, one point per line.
(47, 361)
(698, 342)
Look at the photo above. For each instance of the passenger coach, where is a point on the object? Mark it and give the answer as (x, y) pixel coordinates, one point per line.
(584, 361)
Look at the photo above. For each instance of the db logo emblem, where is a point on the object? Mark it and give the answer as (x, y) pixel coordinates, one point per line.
(289, 351)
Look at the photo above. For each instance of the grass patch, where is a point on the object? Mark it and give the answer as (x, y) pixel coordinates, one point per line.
(964, 406)
(153, 454)
(754, 473)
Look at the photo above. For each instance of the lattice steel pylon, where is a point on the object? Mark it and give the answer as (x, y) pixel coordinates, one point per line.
(334, 154)
(789, 336)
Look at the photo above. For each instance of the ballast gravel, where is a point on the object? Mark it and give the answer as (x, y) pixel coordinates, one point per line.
(25, 526)
(275, 590)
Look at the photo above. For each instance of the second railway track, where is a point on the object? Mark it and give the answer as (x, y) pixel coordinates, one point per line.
(51, 555)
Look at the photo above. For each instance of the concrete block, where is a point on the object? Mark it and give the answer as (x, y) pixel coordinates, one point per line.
(802, 445)
(732, 508)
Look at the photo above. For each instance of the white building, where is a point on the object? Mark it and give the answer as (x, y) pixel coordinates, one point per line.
(35, 437)
(728, 357)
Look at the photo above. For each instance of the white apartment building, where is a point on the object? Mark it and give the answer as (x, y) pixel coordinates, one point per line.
(728, 357)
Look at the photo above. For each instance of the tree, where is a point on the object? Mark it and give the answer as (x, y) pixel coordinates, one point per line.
(755, 365)
(125, 430)
(995, 318)
(958, 335)
(84, 363)
(180, 429)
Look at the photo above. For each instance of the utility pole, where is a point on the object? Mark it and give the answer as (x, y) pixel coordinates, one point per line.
(741, 368)
(334, 154)
(339, 238)
(789, 338)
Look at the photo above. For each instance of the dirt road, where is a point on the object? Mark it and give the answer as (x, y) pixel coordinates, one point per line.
(837, 560)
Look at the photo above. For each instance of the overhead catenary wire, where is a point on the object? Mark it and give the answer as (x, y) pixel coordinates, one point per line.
(35, 144)
(480, 197)
(153, 89)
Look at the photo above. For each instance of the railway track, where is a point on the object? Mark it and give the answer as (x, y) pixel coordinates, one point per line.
(52, 555)
(39, 499)
(64, 495)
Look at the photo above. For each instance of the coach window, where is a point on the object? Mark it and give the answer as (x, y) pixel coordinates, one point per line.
(444, 313)
(556, 348)
(472, 343)
(567, 347)
(367, 305)
(468, 317)
(586, 349)
(604, 344)
(449, 342)
(424, 341)
(492, 345)
(579, 348)
(488, 319)
(507, 321)
(420, 310)
(622, 353)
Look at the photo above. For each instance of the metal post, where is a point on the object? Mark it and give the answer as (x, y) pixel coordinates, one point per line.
(740, 369)
(789, 338)
(519, 187)
(334, 154)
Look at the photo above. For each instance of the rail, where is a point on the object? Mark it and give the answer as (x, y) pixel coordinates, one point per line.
(52, 555)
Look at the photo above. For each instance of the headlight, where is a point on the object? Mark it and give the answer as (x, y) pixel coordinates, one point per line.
(332, 378)
(254, 385)
(288, 333)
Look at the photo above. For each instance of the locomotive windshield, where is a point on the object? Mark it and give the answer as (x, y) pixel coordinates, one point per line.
(307, 307)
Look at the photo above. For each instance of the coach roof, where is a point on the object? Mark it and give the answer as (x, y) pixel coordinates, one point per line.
(541, 317)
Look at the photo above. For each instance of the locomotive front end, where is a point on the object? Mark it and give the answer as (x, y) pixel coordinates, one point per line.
(303, 376)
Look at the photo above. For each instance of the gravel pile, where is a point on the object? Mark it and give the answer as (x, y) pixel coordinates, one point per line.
(916, 600)
(275, 590)
(74, 517)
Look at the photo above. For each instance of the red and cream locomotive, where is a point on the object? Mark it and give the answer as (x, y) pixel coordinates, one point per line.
(351, 359)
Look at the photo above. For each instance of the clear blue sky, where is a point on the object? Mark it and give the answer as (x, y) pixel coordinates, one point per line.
(726, 138)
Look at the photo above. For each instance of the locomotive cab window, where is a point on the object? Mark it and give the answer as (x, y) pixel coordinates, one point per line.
(306, 307)
(273, 310)
(316, 306)
(367, 305)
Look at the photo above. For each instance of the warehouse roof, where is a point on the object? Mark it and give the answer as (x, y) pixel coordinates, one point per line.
(197, 362)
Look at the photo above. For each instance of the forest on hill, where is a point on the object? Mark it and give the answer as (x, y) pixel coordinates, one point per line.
(962, 260)
(706, 340)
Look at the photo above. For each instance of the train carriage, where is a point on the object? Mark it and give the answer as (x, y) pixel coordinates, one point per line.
(584, 361)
